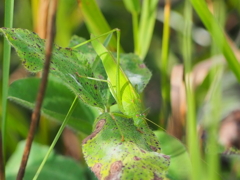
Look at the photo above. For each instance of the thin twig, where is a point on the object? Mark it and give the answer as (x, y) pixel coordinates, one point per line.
(42, 88)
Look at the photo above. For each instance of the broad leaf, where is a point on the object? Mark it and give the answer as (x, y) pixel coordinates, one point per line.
(66, 64)
(57, 101)
(179, 155)
(137, 157)
(137, 72)
(57, 166)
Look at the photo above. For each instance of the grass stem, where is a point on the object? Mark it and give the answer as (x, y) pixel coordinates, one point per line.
(8, 21)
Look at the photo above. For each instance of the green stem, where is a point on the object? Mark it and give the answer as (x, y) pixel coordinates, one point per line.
(214, 102)
(135, 32)
(213, 121)
(146, 26)
(74, 104)
(191, 131)
(8, 21)
(165, 86)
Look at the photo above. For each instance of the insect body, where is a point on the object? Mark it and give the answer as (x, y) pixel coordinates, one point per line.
(125, 94)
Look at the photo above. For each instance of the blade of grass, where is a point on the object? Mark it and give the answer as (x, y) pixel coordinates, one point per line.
(146, 26)
(134, 8)
(42, 89)
(34, 6)
(213, 121)
(71, 109)
(2, 164)
(95, 20)
(191, 131)
(217, 34)
(8, 21)
(215, 103)
(165, 86)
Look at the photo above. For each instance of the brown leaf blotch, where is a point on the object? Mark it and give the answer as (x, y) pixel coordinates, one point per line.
(157, 178)
(142, 66)
(154, 148)
(115, 170)
(116, 167)
(100, 125)
(136, 158)
(98, 128)
(96, 169)
(166, 157)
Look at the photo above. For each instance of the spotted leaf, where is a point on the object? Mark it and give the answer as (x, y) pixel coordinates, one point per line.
(137, 157)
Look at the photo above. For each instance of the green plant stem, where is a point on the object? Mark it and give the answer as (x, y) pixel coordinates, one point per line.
(191, 131)
(135, 31)
(217, 34)
(212, 121)
(8, 21)
(146, 26)
(165, 86)
(95, 21)
(133, 7)
(71, 109)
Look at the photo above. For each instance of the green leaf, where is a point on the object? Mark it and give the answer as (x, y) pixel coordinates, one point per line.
(65, 64)
(96, 66)
(137, 157)
(57, 166)
(137, 72)
(179, 155)
(57, 101)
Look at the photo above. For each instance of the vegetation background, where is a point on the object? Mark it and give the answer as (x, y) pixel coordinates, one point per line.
(188, 68)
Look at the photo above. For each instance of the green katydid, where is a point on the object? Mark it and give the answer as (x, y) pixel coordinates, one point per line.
(128, 99)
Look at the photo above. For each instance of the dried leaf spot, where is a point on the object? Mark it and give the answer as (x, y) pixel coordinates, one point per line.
(155, 149)
(98, 128)
(100, 125)
(156, 177)
(116, 167)
(142, 65)
(96, 169)
(136, 158)
(115, 170)
(166, 157)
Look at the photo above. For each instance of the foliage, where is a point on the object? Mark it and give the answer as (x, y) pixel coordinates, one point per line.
(65, 63)
(189, 47)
